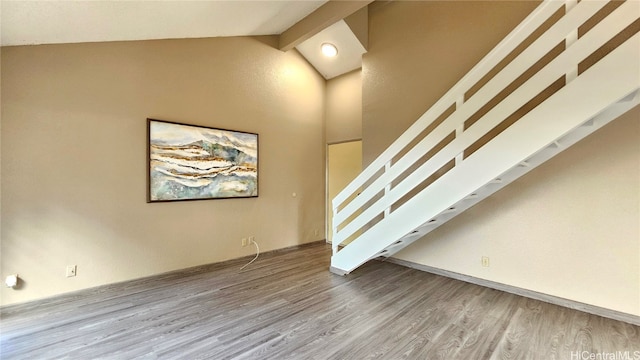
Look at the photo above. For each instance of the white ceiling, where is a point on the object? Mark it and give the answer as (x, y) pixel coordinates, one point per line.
(33, 22)
(71, 21)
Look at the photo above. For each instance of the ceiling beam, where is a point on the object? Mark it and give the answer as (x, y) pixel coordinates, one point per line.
(326, 15)
(358, 22)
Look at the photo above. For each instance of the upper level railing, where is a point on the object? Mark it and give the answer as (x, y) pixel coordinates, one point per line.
(555, 44)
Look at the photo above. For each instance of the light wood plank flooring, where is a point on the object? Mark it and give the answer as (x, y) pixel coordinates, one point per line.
(287, 305)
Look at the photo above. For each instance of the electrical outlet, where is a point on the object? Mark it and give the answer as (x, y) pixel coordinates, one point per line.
(71, 270)
(244, 241)
(316, 232)
(485, 261)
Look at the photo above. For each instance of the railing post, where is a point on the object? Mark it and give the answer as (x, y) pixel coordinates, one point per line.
(334, 244)
(387, 188)
(459, 129)
(334, 230)
(570, 40)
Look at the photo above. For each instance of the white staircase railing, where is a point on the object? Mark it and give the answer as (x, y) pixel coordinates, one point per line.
(567, 69)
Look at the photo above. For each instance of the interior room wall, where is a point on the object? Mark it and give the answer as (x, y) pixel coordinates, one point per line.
(344, 107)
(570, 228)
(74, 154)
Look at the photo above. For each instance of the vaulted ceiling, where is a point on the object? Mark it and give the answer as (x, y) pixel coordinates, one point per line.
(301, 24)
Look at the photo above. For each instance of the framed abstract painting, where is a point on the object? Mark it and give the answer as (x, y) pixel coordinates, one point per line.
(189, 162)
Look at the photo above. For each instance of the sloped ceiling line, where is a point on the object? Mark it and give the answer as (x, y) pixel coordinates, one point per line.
(297, 22)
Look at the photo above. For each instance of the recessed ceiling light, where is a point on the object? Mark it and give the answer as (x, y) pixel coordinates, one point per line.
(329, 50)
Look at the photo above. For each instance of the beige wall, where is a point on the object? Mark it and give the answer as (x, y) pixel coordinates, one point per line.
(570, 228)
(74, 157)
(344, 107)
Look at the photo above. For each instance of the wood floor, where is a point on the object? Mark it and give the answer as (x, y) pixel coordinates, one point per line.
(287, 305)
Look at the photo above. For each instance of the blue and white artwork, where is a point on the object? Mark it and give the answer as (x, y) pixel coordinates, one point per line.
(189, 162)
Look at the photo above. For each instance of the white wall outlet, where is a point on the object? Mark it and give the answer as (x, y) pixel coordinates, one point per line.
(485, 261)
(244, 241)
(316, 232)
(252, 239)
(71, 270)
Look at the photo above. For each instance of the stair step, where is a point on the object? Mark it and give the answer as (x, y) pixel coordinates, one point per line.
(471, 197)
(431, 222)
(449, 210)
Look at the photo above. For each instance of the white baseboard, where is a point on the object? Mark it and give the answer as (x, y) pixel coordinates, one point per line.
(591, 309)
